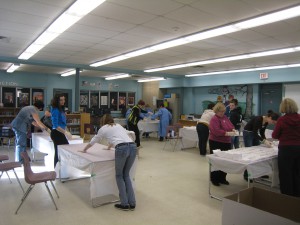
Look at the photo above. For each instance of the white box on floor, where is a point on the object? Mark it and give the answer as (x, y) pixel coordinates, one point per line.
(258, 206)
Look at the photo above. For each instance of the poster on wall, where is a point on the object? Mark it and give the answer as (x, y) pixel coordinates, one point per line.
(94, 99)
(37, 95)
(23, 97)
(8, 97)
(130, 100)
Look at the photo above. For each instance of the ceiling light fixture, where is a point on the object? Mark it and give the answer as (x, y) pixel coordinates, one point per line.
(117, 76)
(74, 13)
(227, 59)
(151, 79)
(69, 73)
(234, 27)
(12, 68)
(244, 70)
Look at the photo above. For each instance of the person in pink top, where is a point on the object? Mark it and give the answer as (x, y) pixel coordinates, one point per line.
(221, 131)
(287, 130)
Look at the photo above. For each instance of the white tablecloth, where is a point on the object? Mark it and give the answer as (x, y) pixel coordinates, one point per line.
(100, 164)
(43, 143)
(148, 125)
(189, 137)
(258, 161)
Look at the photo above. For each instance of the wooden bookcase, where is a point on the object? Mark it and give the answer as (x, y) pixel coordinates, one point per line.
(75, 123)
(7, 114)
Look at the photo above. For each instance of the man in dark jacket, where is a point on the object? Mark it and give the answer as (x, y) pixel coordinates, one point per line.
(236, 119)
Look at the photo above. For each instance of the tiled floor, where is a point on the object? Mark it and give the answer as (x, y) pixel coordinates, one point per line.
(171, 188)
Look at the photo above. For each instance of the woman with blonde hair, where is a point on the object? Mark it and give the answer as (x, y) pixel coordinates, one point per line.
(221, 130)
(125, 154)
(287, 130)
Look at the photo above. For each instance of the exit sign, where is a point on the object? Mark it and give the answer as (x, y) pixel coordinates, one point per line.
(263, 76)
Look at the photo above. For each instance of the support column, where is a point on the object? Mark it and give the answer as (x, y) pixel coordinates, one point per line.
(77, 92)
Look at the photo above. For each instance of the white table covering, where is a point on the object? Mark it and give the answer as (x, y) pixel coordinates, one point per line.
(100, 164)
(121, 121)
(42, 143)
(258, 161)
(189, 137)
(148, 126)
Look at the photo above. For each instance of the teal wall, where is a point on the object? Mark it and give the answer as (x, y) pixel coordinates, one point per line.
(195, 89)
(50, 82)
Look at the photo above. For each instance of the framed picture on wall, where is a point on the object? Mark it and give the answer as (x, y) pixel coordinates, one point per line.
(37, 95)
(84, 98)
(23, 97)
(122, 100)
(95, 99)
(114, 100)
(9, 97)
(104, 100)
(131, 99)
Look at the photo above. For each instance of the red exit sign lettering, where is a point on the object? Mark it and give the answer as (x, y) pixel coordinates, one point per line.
(263, 76)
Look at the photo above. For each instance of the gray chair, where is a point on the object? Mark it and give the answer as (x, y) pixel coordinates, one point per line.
(35, 178)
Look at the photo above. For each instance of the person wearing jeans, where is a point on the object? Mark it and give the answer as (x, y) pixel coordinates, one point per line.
(26, 117)
(125, 154)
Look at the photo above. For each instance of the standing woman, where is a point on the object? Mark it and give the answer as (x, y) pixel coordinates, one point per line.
(125, 154)
(29, 115)
(164, 120)
(287, 130)
(203, 128)
(221, 130)
(59, 134)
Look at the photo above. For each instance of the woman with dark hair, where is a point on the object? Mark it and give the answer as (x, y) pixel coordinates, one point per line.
(287, 130)
(254, 131)
(59, 133)
(203, 128)
(29, 115)
(258, 124)
(125, 154)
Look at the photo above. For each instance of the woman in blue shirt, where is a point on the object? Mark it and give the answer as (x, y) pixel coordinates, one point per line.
(59, 133)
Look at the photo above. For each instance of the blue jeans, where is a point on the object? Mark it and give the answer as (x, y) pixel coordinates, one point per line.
(124, 159)
(249, 139)
(21, 144)
(235, 142)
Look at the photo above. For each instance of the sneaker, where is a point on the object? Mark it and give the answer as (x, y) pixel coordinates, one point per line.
(122, 207)
(132, 207)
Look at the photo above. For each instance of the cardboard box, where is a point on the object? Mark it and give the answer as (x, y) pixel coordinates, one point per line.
(260, 207)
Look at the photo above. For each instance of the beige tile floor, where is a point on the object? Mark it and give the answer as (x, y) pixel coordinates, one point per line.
(171, 188)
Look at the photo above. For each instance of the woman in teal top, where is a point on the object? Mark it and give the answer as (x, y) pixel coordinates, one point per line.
(59, 133)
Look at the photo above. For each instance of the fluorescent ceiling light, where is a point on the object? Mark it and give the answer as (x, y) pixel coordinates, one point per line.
(12, 68)
(244, 70)
(74, 13)
(242, 25)
(117, 76)
(69, 73)
(151, 79)
(227, 59)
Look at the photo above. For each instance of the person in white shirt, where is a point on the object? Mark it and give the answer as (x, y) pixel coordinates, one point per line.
(203, 128)
(125, 154)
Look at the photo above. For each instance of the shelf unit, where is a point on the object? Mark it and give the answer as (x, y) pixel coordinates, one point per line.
(7, 114)
(75, 123)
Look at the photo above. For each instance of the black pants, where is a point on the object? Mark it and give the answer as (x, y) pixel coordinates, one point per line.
(218, 176)
(58, 138)
(203, 133)
(289, 170)
(136, 131)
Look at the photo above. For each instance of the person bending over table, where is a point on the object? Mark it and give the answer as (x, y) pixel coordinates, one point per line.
(125, 154)
(221, 131)
(21, 124)
(258, 124)
(164, 120)
(287, 130)
(203, 128)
